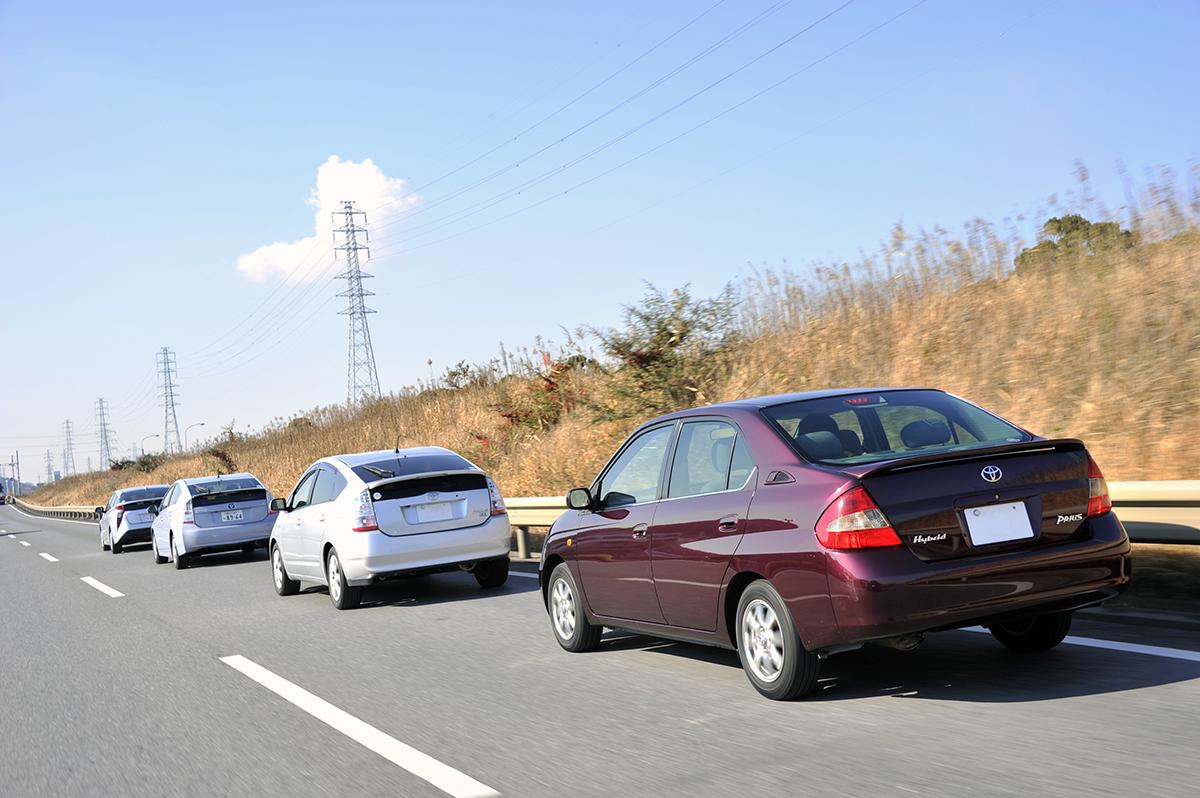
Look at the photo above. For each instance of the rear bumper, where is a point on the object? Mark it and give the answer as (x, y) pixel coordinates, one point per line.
(126, 535)
(198, 539)
(885, 593)
(372, 556)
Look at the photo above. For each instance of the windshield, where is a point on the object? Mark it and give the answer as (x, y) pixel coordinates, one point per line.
(222, 486)
(401, 465)
(142, 494)
(869, 428)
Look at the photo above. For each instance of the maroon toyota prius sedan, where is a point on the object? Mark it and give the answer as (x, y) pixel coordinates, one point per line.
(794, 527)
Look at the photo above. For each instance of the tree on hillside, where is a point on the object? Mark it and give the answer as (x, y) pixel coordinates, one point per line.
(1073, 236)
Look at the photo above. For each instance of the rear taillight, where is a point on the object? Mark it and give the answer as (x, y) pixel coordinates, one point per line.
(364, 514)
(120, 508)
(188, 515)
(498, 507)
(1098, 501)
(854, 521)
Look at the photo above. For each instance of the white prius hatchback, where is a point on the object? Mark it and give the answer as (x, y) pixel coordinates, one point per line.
(211, 514)
(357, 519)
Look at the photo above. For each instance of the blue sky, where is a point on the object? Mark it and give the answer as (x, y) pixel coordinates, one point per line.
(147, 147)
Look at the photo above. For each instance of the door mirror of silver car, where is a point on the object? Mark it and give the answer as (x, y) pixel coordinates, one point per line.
(152, 509)
(99, 511)
(579, 499)
(278, 504)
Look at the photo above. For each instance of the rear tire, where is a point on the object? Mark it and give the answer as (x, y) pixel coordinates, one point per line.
(571, 627)
(284, 584)
(492, 573)
(343, 596)
(181, 560)
(1040, 633)
(117, 548)
(772, 655)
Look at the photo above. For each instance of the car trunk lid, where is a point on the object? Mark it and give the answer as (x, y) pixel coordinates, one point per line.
(430, 502)
(227, 508)
(136, 513)
(983, 500)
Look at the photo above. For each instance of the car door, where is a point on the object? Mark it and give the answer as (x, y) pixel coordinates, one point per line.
(106, 518)
(612, 543)
(289, 531)
(160, 527)
(328, 487)
(700, 522)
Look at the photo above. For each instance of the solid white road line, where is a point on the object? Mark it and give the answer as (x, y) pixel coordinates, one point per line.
(1113, 645)
(522, 573)
(24, 542)
(423, 766)
(48, 557)
(103, 588)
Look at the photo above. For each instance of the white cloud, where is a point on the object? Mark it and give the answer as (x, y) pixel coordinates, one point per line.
(337, 180)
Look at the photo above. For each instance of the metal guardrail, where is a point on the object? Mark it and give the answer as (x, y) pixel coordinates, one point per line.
(1153, 512)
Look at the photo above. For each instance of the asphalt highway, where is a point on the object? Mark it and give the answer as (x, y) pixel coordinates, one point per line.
(120, 677)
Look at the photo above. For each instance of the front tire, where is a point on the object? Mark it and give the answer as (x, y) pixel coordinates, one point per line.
(343, 595)
(769, 647)
(103, 545)
(284, 584)
(181, 560)
(491, 573)
(1030, 636)
(571, 627)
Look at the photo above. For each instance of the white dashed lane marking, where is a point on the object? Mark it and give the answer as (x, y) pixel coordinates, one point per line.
(48, 557)
(103, 588)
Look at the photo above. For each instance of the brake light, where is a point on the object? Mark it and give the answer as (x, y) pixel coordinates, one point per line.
(120, 508)
(364, 514)
(498, 507)
(187, 513)
(854, 521)
(1098, 501)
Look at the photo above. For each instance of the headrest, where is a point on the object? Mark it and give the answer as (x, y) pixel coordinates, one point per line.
(820, 445)
(926, 432)
(720, 454)
(816, 422)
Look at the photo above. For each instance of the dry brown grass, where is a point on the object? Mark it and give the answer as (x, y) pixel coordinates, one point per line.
(1104, 346)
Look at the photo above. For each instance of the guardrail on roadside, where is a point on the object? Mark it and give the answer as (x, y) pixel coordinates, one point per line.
(1153, 512)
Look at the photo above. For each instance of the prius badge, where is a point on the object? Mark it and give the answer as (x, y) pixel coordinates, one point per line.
(991, 473)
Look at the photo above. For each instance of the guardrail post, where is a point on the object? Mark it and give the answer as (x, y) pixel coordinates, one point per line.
(522, 543)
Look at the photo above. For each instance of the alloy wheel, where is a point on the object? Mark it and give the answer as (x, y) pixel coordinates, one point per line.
(563, 606)
(335, 579)
(762, 641)
(277, 568)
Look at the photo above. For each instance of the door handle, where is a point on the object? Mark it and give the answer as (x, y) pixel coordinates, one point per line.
(728, 524)
(639, 531)
(321, 518)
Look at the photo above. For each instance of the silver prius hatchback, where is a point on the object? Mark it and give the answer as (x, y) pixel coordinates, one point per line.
(357, 519)
(209, 514)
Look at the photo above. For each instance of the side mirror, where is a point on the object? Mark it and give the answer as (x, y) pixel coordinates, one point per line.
(99, 511)
(278, 504)
(152, 509)
(579, 499)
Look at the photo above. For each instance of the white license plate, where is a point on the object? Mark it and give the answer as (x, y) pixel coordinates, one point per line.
(997, 523)
(232, 515)
(442, 511)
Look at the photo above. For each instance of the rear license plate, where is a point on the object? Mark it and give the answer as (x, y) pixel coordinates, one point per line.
(442, 511)
(997, 523)
(232, 515)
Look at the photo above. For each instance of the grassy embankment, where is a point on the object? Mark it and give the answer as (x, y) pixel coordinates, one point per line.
(1095, 334)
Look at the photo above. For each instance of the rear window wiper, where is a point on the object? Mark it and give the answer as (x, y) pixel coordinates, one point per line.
(382, 473)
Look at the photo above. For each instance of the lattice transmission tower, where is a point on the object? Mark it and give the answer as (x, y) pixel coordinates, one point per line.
(49, 467)
(362, 379)
(68, 457)
(106, 434)
(167, 372)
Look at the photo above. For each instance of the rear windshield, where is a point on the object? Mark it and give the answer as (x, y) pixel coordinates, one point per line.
(223, 485)
(142, 494)
(870, 428)
(399, 465)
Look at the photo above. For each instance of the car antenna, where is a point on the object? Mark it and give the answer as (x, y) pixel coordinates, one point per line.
(396, 450)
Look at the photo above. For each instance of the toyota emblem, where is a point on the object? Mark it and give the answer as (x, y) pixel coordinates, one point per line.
(991, 473)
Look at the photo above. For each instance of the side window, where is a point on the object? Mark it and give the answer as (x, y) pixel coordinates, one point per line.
(329, 485)
(702, 458)
(169, 499)
(634, 476)
(743, 463)
(302, 495)
(112, 500)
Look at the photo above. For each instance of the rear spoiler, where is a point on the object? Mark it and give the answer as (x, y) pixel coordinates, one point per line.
(379, 483)
(981, 453)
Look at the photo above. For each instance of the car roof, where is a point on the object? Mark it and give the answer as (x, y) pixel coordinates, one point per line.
(759, 402)
(361, 458)
(143, 487)
(240, 475)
